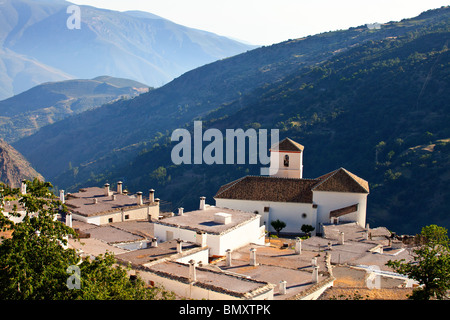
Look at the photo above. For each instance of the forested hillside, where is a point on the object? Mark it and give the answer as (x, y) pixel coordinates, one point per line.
(374, 102)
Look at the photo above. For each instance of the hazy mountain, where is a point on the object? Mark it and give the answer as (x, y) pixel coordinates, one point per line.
(14, 167)
(370, 100)
(26, 113)
(37, 46)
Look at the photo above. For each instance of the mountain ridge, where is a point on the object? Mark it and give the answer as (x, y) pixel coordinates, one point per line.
(27, 112)
(372, 82)
(126, 45)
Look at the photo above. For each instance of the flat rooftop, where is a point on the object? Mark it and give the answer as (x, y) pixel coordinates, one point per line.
(276, 264)
(214, 280)
(82, 202)
(163, 250)
(203, 220)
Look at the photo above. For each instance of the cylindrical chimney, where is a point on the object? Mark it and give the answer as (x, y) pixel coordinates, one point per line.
(23, 187)
(119, 187)
(229, 263)
(139, 200)
(341, 238)
(154, 243)
(283, 287)
(253, 257)
(69, 220)
(180, 211)
(62, 198)
(192, 271)
(202, 203)
(298, 246)
(152, 195)
(179, 246)
(315, 274)
(106, 189)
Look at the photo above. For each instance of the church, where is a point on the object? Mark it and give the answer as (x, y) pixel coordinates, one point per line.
(336, 197)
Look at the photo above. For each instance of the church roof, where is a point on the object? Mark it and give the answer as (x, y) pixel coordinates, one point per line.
(268, 189)
(288, 145)
(342, 180)
(263, 188)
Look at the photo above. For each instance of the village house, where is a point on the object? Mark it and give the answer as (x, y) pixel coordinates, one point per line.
(100, 206)
(337, 197)
(220, 229)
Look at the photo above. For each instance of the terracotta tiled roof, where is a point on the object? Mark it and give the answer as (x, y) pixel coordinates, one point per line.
(287, 145)
(268, 189)
(261, 188)
(342, 180)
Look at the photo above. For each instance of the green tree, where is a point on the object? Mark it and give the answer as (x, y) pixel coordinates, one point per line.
(278, 225)
(430, 266)
(34, 261)
(306, 228)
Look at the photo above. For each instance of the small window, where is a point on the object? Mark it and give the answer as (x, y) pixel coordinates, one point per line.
(127, 217)
(266, 209)
(304, 215)
(110, 220)
(286, 160)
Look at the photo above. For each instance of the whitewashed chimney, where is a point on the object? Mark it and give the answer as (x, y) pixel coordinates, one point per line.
(315, 274)
(229, 262)
(201, 238)
(180, 211)
(23, 187)
(314, 261)
(253, 257)
(94, 201)
(106, 187)
(69, 220)
(151, 195)
(119, 187)
(192, 271)
(62, 197)
(139, 200)
(202, 203)
(179, 245)
(341, 238)
(298, 246)
(283, 287)
(154, 243)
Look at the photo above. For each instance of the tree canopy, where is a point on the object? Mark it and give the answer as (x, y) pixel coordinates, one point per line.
(36, 264)
(431, 264)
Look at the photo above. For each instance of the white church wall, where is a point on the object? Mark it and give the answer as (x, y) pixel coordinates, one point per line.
(293, 214)
(329, 201)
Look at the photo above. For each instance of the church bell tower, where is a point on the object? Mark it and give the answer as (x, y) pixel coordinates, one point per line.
(286, 159)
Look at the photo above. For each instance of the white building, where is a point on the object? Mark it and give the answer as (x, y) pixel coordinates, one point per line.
(101, 206)
(339, 196)
(219, 229)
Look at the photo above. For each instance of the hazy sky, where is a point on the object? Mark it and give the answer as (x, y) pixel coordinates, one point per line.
(264, 22)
